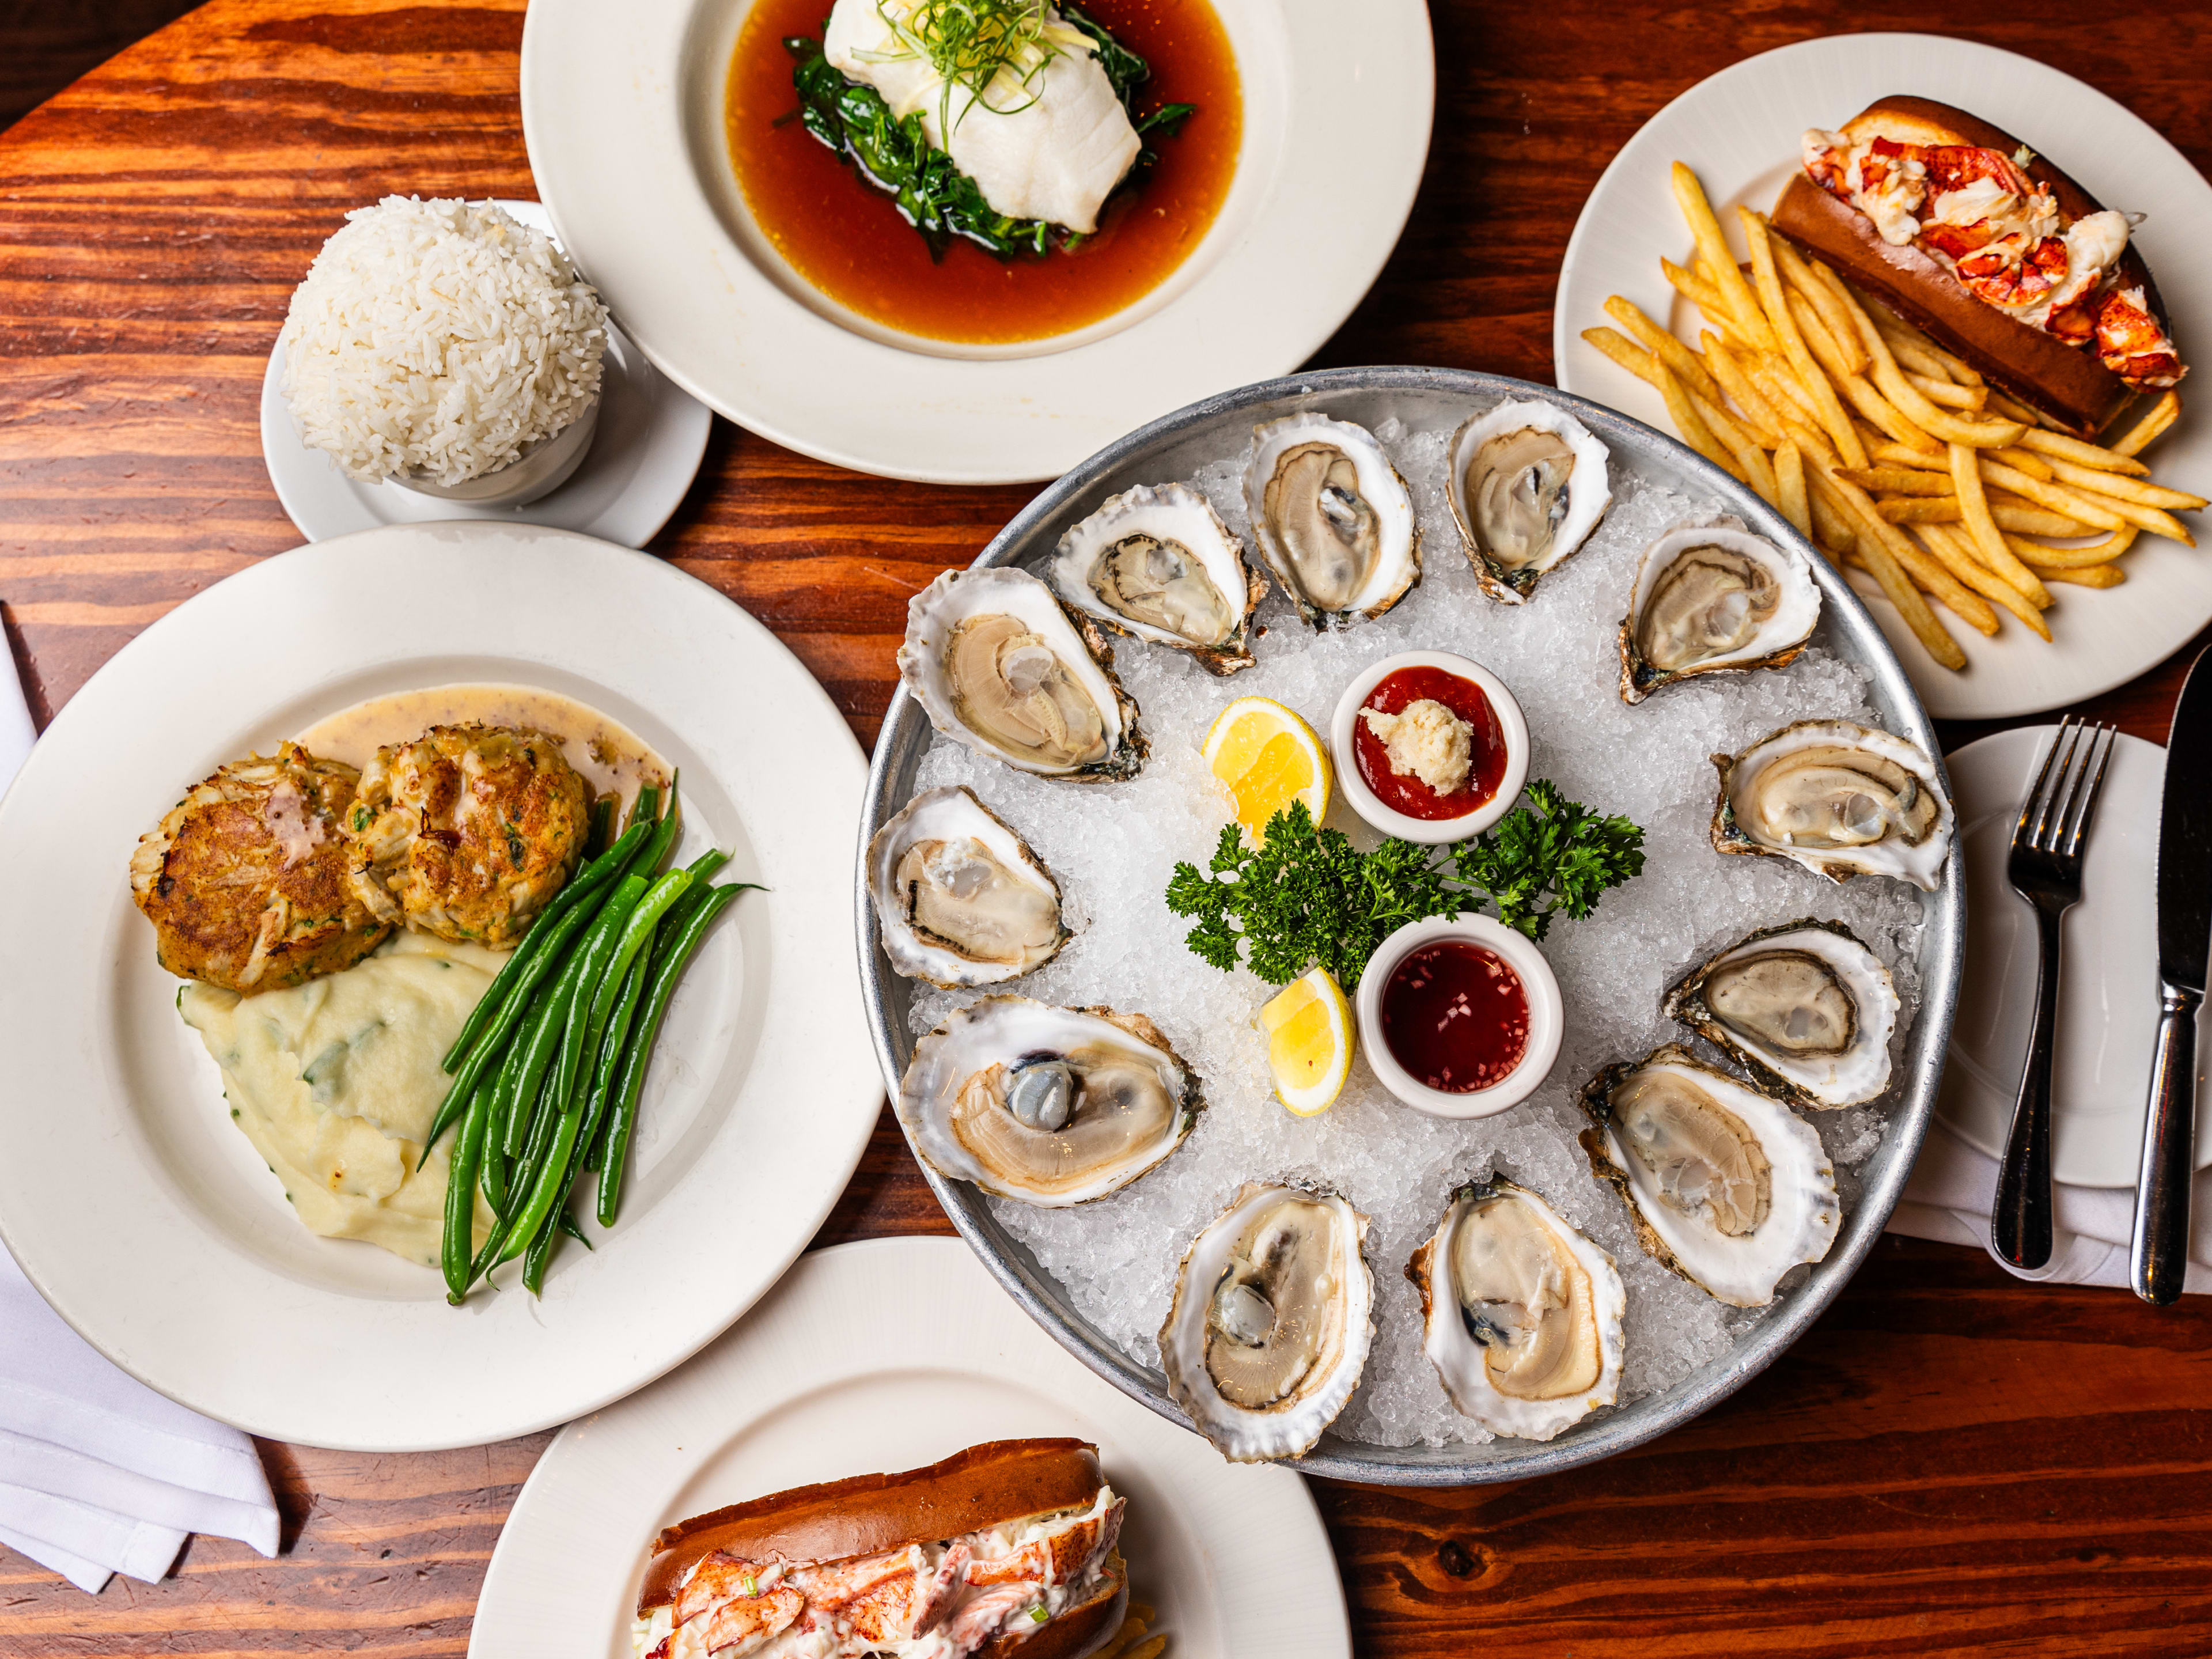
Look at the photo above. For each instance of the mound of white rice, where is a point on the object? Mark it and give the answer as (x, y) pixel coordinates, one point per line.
(438, 338)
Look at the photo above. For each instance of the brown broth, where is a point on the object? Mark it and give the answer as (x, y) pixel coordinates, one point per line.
(847, 239)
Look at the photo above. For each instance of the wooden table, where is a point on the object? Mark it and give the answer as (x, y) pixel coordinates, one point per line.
(1949, 1462)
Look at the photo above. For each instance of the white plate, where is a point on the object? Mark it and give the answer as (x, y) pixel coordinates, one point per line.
(883, 1356)
(643, 456)
(144, 1216)
(1740, 130)
(622, 106)
(2108, 966)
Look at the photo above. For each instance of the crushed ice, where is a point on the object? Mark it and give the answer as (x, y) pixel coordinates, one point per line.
(1113, 847)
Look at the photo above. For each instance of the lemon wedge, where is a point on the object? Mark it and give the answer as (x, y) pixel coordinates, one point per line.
(1267, 758)
(1309, 1042)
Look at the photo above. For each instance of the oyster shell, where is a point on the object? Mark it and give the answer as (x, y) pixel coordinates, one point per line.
(1521, 1314)
(1711, 597)
(1839, 798)
(1528, 483)
(960, 898)
(1271, 1321)
(1001, 667)
(1728, 1186)
(1052, 1106)
(1160, 565)
(1331, 518)
(1805, 1007)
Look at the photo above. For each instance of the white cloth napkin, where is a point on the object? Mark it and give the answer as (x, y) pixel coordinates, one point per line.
(1954, 1187)
(99, 1474)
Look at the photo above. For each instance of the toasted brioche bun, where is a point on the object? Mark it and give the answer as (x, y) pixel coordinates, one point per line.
(2067, 382)
(985, 1486)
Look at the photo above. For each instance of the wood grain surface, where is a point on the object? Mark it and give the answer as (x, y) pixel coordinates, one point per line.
(1951, 1463)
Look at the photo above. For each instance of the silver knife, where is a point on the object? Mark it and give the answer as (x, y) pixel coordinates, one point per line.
(2159, 1256)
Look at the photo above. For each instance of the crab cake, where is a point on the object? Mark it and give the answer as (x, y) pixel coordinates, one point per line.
(467, 831)
(247, 881)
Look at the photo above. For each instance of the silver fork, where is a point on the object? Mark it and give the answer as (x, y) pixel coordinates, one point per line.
(2045, 870)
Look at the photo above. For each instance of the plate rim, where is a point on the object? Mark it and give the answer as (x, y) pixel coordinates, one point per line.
(1570, 356)
(288, 1421)
(906, 726)
(811, 1281)
(998, 386)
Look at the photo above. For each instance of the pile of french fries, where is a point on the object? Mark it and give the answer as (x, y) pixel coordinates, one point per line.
(1892, 456)
(1130, 1641)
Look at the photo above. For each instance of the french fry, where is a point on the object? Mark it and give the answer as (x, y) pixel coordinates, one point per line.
(1148, 1650)
(1937, 459)
(1758, 413)
(1817, 388)
(1899, 480)
(2017, 517)
(1955, 549)
(1885, 415)
(2026, 460)
(1901, 334)
(1920, 509)
(1878, 545)
(1790, 487)
(2040, 556)
(2161, 415)
(1736, 296)
(1989, 540)
(2126, 489)
(2057, 497)
(1946, 393)
(1622, 349)
(1664, 346)
(2096, 575)
(1926, 575)
(1830, 528)
(2057, 446)
(1692, 425)
(1889, 379)
(1693, 287)
(1772, 373)
(1835, 320)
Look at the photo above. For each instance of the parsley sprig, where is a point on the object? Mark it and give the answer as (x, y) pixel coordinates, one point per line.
(1307, 897)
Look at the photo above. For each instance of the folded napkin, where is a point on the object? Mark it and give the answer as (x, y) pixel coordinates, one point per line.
(1954, 1187)
(99, 1474)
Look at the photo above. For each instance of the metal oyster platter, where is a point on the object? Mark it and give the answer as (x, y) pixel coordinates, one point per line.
(1426, 400)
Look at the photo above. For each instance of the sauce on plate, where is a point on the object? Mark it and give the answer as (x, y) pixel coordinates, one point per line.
(607, 755)
(1405, 793)
(1455, 1016)
(846, 238)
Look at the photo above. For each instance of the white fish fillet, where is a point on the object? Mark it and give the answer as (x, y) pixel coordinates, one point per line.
(1057, 160)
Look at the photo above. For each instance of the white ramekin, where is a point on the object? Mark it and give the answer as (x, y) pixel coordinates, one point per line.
(542, 468)
(1434, 832)
(1547, 1015)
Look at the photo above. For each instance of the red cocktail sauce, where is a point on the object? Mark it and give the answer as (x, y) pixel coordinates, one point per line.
(1402, 792)
(1456, 1015)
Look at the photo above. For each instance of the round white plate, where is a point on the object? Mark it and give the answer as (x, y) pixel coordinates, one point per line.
(643, 456)
(1740, 130)
(883, 1356)
(2107, 973)
(143, 1215)
(622, 108)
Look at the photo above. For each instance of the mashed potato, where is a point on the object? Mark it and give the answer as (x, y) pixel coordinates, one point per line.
(336, 1081)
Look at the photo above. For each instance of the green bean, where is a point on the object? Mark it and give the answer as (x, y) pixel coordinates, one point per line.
(491, 1172)
(636, 931)
(541, 937)
(704, 868)
(603, 823)
(539, 1041)
(592, 958)
(539, 1252)
(669, 959)
(646, 807)
(547, 1191)
(461, 1193)
(611, 1048)
(567, 1217)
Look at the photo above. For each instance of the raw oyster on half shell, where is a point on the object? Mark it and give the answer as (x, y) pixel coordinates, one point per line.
(1052, 1106)
(960, 898)
(1521, 1315)
(1839, 798)
(1805, 1007)
(1158, 565)
(1528, 483)
(1332, 517)
(1728, 1186)
(1713, 597)
(1272, 1319)
(1001, 667)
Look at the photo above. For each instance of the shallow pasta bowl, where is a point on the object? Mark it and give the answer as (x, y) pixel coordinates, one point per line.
(623, 109)
(1428, 399)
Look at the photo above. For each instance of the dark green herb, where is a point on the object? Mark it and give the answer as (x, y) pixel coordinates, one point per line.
(932, 194)
(1308, 897)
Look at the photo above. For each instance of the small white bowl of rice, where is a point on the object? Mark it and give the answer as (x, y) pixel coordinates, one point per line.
(445, 347)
